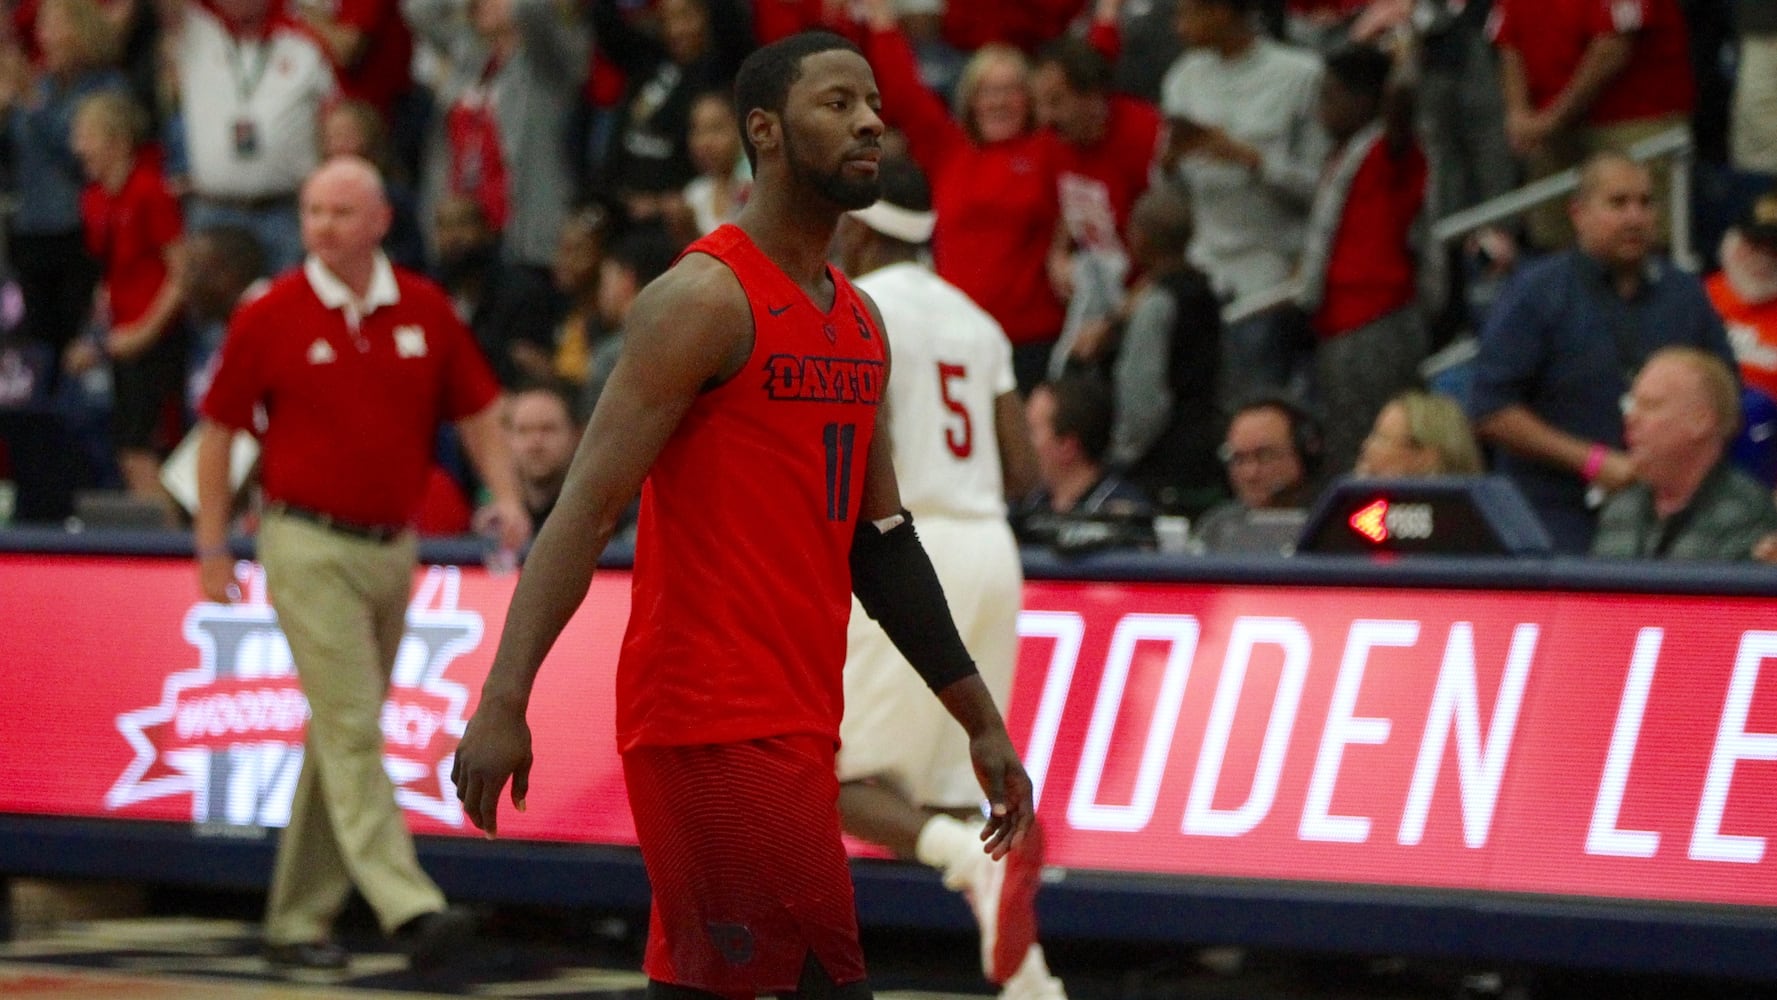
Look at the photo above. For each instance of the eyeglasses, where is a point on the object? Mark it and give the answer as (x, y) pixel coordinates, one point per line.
(1255, 456)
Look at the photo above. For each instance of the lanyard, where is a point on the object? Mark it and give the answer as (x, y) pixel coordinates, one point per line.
(246, 78)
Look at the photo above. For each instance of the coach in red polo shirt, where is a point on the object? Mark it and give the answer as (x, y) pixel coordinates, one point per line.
(1586, 76)
(355, 364)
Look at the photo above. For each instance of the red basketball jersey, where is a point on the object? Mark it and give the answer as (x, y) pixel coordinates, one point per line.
(742, 587)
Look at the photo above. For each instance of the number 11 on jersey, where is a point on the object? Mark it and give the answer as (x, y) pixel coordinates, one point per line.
(838, 438)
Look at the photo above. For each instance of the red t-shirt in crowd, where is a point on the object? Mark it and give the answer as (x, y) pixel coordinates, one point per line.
(385, 70)
(1099, 184)
(128, 232)
(1551, 36)
(742, 587)
(996, 204)
(352, 417)
(1372, 270)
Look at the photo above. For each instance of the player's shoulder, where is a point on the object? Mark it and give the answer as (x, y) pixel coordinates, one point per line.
(697, 281)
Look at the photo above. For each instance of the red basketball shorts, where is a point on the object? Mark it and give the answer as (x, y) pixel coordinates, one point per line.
(741, 842)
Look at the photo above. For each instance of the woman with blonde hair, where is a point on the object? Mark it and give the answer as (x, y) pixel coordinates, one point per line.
(45, 240)
(1420, 434)
(993, 179)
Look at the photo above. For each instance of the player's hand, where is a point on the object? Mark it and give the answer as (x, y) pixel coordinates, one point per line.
(1002, 777)
(496, 746)
(215, 575)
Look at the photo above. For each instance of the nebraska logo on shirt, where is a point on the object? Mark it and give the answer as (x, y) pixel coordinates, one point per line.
(1626, 15)
(410, 342)
(321, 352)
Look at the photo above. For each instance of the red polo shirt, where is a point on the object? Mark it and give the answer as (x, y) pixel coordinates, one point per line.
(1551, 36)
(127, 232)
(351, 418)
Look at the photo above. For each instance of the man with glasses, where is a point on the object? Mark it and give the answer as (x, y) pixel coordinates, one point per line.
(1272, 453)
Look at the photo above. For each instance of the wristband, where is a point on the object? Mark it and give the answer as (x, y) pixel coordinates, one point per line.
(206, 551)
(1594, 462)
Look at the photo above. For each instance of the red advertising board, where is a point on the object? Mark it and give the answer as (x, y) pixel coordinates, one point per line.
(1618, 746)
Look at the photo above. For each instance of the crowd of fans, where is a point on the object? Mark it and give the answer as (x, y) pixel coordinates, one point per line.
(1107, 176)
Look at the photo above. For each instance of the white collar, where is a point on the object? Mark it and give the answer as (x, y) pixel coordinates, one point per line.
(334, 294)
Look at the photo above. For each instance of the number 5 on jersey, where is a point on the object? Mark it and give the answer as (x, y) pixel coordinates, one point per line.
(961, 443)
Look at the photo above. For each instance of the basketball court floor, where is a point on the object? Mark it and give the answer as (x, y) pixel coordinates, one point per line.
(576, 957)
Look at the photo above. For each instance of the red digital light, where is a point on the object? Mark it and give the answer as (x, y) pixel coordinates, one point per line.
(1371, 522)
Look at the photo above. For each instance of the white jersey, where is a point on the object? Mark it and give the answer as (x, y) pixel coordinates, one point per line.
(252, 106)
(951, 362)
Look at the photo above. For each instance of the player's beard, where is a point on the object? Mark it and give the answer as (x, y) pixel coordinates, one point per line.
(845, 193)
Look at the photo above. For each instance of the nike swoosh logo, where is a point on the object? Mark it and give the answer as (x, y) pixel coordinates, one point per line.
(779, 310)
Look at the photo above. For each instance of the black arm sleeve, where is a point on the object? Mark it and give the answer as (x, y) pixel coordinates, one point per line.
(895, 582)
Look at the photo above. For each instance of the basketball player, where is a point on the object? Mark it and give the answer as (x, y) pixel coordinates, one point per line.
(960, 448)
(747, 395)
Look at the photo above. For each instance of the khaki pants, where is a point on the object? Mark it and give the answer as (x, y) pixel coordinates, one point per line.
(342, 604)
(1550, 228)
(1755, 106)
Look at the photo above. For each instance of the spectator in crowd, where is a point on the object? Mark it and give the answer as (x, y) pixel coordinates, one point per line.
(1754, 126)
(1246, 143)
(1420, 434)
(1161, 352)
(1070, 429)
(353, 127)
(959, 450)
(1566, 338)
(224, 269)
(642, 253)
(337, 542)
(1108, 145)
(45, 241)
(715, 195)
(697, 49)
(1368, 250)
(133, 229)
(1580, 77)
(370, 45)
(509, 308)
(993, 183)
(579, 253)
(1461, 110)
(1321, 25)
(538, 420)
(1148, 44)
(252, 84)
(1273, 453)
(1744, 292)
(1687, 500)
(516, 67)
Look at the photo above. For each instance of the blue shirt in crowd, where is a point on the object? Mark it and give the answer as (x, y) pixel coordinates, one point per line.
(1563, 343)
(46, 175)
